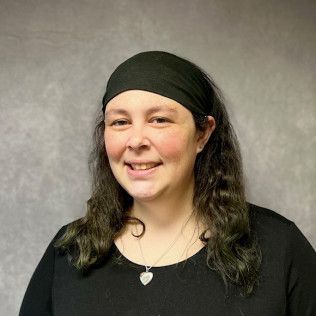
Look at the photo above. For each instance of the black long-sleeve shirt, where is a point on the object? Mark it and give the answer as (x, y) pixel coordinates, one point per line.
(287, 281)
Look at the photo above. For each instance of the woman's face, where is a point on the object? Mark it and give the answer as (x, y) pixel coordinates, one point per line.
(151, 142)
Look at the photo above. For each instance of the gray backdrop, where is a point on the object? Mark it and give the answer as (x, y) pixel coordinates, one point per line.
(55, 58)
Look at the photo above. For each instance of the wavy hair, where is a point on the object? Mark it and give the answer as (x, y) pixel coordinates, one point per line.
(219, 199)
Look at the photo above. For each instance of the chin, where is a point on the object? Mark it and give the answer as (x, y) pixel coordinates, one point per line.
(143, 195)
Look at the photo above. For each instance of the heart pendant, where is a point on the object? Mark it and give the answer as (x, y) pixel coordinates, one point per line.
(146, 277)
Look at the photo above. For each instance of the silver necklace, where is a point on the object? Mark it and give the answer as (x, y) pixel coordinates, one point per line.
(146, 276)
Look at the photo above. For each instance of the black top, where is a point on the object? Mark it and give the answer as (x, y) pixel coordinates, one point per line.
(287, 281)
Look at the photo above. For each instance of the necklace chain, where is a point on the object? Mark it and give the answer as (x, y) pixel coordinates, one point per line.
(140, 247)
(177, 237)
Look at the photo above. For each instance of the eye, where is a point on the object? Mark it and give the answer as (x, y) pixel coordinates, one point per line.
(118, 123)
(160, 120)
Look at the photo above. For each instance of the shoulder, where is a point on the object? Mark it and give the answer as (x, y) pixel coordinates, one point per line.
(269, 224)
(59, 237)
(64, 228)
(276, 233)
(288, 258)
(262, 215)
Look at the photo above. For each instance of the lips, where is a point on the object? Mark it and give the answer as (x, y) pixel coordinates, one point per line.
(142, 165)
(136, 171)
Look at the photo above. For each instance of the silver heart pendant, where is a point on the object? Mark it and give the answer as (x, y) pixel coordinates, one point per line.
(146, 277)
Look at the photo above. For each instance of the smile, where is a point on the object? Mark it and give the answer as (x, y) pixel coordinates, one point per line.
(143, 166)
(142, 170)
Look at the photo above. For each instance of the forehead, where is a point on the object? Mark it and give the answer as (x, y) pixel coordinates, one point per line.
(132, 100)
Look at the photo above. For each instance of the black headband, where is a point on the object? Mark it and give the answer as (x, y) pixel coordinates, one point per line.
(165, 74)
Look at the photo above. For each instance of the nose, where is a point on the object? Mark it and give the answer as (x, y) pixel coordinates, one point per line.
(137, 139)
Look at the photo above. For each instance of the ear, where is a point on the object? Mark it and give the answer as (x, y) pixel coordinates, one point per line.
(204, 136)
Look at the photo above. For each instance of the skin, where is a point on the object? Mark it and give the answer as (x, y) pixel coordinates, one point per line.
(163, 199)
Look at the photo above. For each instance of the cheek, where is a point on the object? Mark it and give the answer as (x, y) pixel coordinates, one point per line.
(113, 146)
(173, 146)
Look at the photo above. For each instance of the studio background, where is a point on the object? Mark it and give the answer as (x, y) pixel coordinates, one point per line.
(55, 59)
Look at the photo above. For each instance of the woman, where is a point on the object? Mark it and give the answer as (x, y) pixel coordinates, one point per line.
(168, 230)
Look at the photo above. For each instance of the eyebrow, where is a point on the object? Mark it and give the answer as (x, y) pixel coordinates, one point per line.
(151, 110)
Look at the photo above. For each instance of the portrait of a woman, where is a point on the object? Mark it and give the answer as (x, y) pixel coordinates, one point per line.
(168, 230)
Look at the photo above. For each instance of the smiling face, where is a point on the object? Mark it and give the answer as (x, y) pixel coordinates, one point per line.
(151, 143)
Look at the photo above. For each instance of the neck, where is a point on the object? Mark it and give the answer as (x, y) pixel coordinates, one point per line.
(165, 215)
(169, 223)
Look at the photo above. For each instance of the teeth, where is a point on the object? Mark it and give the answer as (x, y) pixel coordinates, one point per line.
(143, 166)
